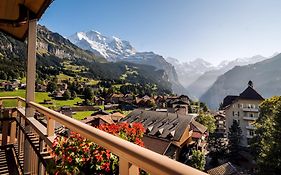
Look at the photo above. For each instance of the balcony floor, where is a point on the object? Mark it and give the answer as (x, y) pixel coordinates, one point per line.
(8, 163)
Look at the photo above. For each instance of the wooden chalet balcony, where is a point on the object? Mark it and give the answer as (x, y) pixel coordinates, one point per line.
(27, 142)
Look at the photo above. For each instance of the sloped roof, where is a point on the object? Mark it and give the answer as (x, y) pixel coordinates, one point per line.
(178, 102)
(100, 112)
(197, 135)
(228, 100)
(14, 15)
(196, 126)
(250, 93)
(163, 125)
(183, 96)
(224, 169)
(117, 116)
(105, 118)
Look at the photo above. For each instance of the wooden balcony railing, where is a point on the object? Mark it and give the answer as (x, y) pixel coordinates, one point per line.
(131, 156)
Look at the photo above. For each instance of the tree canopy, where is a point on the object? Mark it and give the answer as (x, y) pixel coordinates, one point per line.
(198, 160)
(234, 136)
(207, 120)
(266, 145)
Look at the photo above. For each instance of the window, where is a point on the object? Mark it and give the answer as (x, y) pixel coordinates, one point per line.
(233, 113)
(238, 113)
(251, 115)
(252, 133)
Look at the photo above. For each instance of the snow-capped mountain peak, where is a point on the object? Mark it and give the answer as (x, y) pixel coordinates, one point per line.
(111, 48)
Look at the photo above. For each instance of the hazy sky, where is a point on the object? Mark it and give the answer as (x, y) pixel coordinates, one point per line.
(214, 30)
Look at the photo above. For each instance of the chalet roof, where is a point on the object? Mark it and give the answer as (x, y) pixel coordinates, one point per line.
(100, 112)
(228, 100)
(146, 97)
(105, 118)
(224, 169)
(178, 102)
(117, 116)
(249, 94)
(198, 127)
(117, 95)
(197, 135)
(163, 125)
(184, 96)
(14, 15)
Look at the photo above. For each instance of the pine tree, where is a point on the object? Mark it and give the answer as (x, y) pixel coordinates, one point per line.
(234, 137)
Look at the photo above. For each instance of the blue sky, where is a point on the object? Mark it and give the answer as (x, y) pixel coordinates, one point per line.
(214, 30)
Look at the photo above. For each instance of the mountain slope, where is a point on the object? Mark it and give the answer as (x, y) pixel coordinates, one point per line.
(266, 76)
(150, 58)
(205, 81)
(188, 72)
(54, 52)
(115, 49)
(51, 50)
(111, 48)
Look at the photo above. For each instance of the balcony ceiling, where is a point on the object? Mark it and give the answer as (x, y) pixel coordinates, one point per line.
(15, 13)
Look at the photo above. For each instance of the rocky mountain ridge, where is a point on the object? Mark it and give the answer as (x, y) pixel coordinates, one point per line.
(114, 49)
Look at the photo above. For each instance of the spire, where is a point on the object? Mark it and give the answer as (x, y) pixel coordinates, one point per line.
(250, 83)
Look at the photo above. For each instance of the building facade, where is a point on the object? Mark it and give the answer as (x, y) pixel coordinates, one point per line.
(245, 110)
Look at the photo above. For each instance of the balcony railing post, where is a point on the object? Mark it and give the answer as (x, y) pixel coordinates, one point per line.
(40, 166)
(134, 170)
(5, 127)
(19, 103)
(30, 86)
(124, 166)
(13, 132)
(50, 127)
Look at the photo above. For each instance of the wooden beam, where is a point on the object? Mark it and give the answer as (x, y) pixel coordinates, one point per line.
(30, 85)
(31, 66)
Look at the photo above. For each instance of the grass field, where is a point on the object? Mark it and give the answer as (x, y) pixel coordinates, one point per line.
(39, 97)
(82, 114)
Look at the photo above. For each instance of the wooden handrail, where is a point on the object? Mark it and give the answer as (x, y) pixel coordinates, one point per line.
(132, 153)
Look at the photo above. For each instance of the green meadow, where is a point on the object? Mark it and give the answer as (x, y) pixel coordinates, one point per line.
(39, 98)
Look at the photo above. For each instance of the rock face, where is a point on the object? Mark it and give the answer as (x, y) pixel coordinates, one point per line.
(48, 44)
(115, 49)
(54, 44)
(150, 58)
(266, 76)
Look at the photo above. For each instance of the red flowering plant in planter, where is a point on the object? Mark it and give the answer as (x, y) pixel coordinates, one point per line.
(78, 155)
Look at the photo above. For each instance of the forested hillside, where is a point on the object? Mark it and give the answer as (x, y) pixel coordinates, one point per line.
(56, 55)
